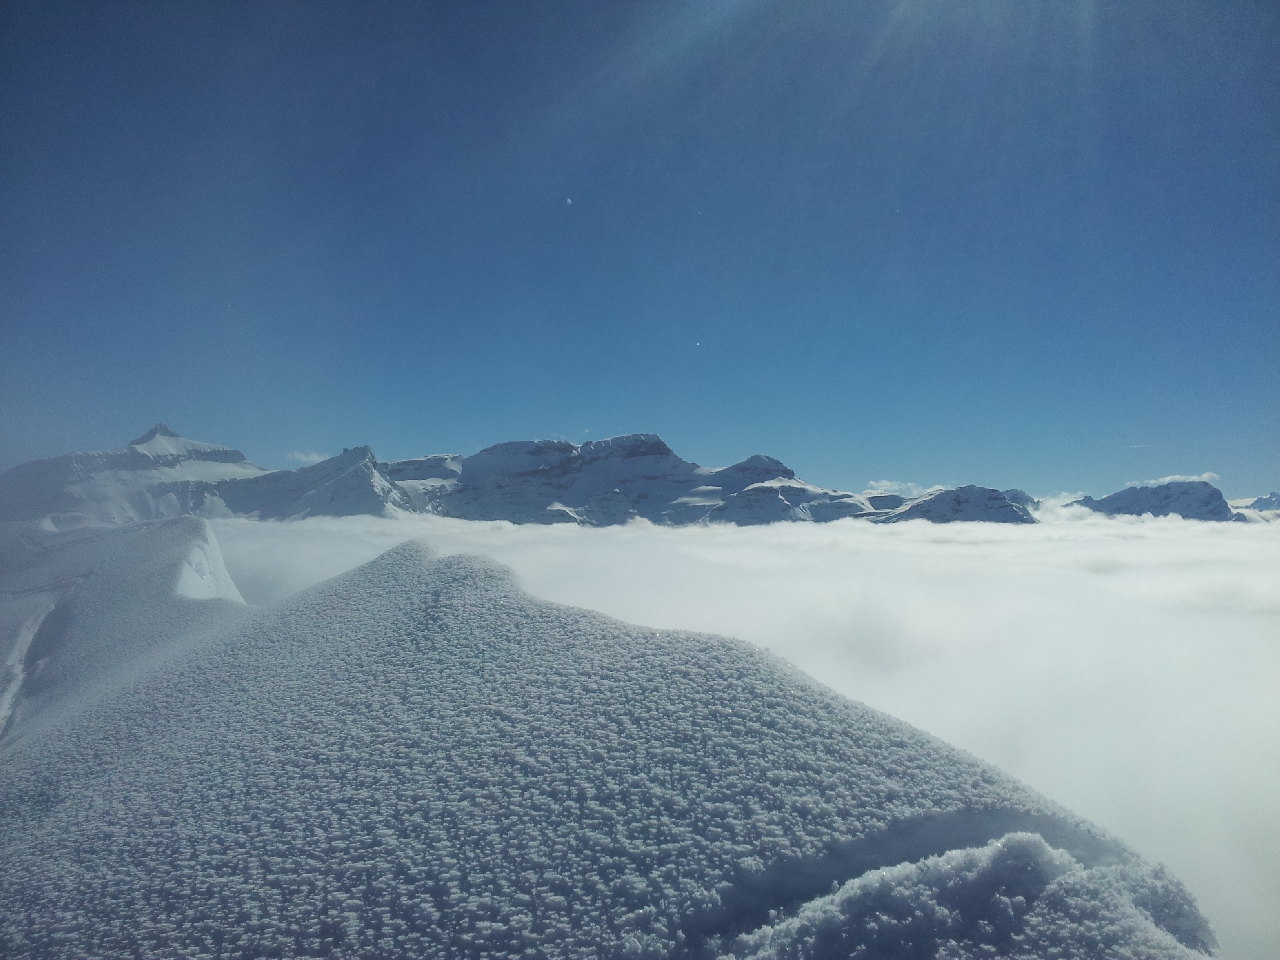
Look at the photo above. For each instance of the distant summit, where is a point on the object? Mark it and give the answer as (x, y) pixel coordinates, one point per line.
(966, 503)
(1189, 499)
(1269, 502)
(159, 430)
(142, 481)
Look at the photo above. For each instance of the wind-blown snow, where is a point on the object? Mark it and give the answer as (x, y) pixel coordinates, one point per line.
(84, 610)
(418, 758)
(1125, 666)
(1009, 896)
(203, 575)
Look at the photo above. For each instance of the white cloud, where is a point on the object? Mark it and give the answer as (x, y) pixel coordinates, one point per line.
(307, 456)
(899, 487)
(1208, 477)
(1127, 668)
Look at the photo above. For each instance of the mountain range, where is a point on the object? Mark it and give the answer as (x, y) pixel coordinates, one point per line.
(598, 483)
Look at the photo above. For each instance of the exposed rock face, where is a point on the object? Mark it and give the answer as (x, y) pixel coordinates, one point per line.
(1190, 499)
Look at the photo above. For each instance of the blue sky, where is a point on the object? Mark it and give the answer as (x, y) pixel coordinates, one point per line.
(1005, 243)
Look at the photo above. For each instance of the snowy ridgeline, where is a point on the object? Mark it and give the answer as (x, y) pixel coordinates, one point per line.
(418, 759)
(598, 483)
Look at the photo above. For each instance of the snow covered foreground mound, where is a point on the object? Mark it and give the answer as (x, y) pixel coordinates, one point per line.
(418, 759)
(86, 608)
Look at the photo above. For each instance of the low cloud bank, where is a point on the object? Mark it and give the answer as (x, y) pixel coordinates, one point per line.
(899, 487)
(1126, 667)
(1207, 477)
(306, 457)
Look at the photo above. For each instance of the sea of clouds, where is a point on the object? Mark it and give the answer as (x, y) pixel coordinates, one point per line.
(1125, 667)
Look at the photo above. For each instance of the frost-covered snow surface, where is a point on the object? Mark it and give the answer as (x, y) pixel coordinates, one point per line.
(417, 758)
(600, 483)
(1189, 499)
(85, 608)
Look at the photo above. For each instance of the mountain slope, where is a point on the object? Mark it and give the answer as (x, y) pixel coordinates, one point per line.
(418, 759)
(963, 503)
(349, 484)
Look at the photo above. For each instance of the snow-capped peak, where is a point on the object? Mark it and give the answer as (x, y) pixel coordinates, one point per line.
(162, 443)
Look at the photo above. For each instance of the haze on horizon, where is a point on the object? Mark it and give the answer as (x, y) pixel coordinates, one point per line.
(994, 243)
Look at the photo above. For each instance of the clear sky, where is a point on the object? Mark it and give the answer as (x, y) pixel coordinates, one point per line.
(1007, 243)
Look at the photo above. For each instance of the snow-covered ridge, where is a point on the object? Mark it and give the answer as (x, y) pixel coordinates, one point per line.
(419, 759)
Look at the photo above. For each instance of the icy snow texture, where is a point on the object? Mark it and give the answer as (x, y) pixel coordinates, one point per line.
(1189, 499)
(1016, 897)
(416, 758)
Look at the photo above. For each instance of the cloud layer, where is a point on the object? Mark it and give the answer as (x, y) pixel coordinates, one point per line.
(1125, 667)
(306, 457)
(1208, 477)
